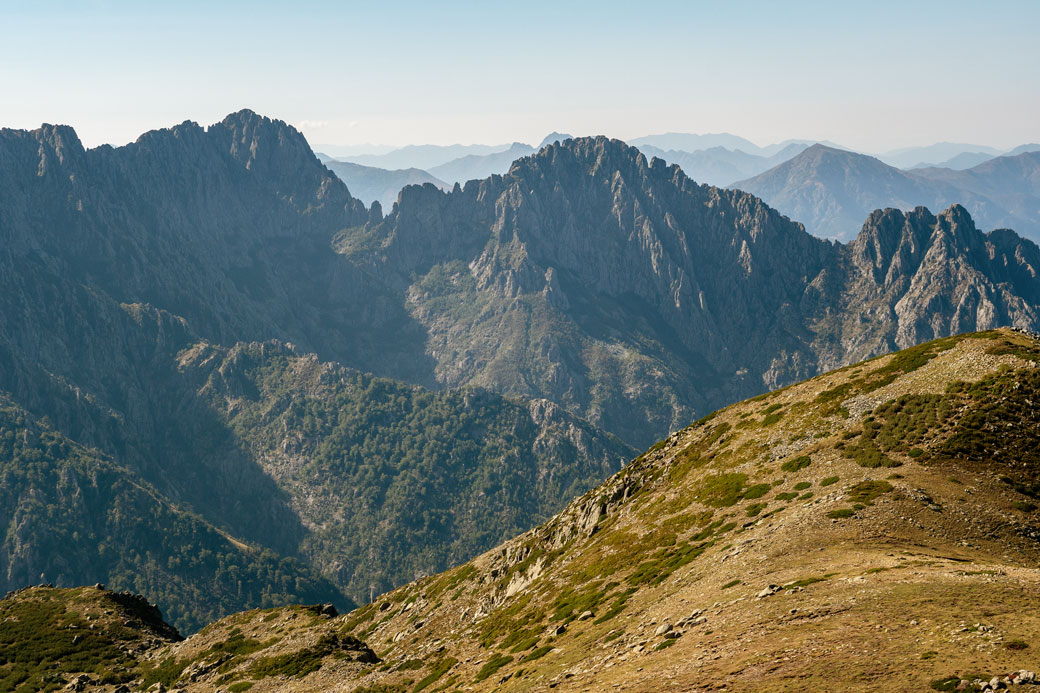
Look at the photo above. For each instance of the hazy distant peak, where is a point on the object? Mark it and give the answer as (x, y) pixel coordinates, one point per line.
(1023, 149)
(553, 137)
(692, 142)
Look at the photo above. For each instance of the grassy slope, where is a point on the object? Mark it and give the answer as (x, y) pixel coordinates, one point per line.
(908, 526)
(891, 503)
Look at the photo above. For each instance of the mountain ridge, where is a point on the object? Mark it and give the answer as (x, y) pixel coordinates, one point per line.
(119, 261)
(520, 239)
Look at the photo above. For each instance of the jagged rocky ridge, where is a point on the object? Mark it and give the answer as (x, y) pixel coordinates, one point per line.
(594, 277)
(116, 262)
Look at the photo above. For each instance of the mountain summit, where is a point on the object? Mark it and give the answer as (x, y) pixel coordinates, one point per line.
(594, 277)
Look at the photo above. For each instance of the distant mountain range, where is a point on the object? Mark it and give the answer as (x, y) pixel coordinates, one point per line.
(721, 166)
(423, 156)
(829, 190)
(933, 154)
(719, 159)
(476, 166)
(370, 184)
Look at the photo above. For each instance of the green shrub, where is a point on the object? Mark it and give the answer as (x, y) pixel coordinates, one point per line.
(411, 665)
(617, 607)
(797, 463)
(437, 670)
(540, 652)
(492, 665)
(867, 491)
(756, 491)
(841, 514)
(827, 481)
(802, 485)
(720, 490)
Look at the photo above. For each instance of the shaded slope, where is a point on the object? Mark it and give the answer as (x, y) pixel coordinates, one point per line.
(74, 517)
(393, 481)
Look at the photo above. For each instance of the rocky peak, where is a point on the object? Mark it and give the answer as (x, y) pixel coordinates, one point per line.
(256, 140)
(61, 140)
(956, 225)
(892, 243)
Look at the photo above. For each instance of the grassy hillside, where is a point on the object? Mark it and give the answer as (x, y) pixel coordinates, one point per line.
(875, 526)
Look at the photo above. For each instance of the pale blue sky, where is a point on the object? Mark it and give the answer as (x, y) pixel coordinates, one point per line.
(873, 76)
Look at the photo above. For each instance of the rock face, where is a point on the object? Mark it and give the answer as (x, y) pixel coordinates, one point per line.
(620, 288)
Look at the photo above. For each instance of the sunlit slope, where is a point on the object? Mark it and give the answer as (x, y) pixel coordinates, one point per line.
(890, 504)
(875, 527)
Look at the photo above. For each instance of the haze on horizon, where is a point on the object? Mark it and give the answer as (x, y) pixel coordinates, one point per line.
(875, 77)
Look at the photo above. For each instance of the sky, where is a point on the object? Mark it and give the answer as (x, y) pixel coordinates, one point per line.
(872, 76)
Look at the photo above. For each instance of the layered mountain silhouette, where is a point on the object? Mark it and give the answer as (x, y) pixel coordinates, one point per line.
(829, 190)
(476, 166)
(423, 156)
(210, 315)
(935, 154)
(720, 166)
(370, 184)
